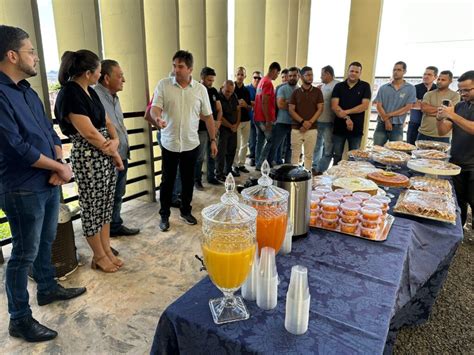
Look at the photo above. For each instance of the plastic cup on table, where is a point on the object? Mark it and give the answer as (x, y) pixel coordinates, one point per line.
(297, 301)
(249, 288)
(288, 242)
(267, 280)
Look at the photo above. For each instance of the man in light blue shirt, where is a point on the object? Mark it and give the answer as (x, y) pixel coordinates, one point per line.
(282, 128)
(394, 100)
(324, 148)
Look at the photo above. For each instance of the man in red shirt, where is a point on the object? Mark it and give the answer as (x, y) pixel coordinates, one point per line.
(264, 114)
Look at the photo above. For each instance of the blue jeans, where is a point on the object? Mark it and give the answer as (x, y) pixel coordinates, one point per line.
(33, 219)
(252, 139)
(324, 147)
(412, 132)
(339, 143)
(381, 136)
(281, 137)
(177, 183)
(264, 148)
(117, 221)
(421, 136)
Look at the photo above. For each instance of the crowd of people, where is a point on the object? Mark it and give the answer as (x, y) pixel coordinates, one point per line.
(196, 122)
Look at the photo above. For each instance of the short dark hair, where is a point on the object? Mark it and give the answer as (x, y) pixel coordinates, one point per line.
(76, 63)
(305, 69)
(184, 56)
(274, 66)
(448, 73)
(328, 69)
(403, 64)
(257, 72)
(469, 75)
(106, 68)
(10, 39)
(296, 69)
(206, 71)
(355, 64)
(433, 68)
(284, 71)
(228, 82)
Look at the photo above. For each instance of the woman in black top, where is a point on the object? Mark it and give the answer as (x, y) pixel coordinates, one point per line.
(94, 156)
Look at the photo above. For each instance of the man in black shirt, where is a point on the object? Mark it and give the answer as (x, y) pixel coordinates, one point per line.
(460, 119)
(228, 130)
(208, 75)
(350, 100)
(243, 132)
(429, 77)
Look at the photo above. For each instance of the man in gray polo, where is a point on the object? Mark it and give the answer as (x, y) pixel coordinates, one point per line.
(110, 82)
(394, 100)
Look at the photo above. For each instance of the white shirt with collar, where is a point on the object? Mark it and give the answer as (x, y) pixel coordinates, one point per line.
(181, 111)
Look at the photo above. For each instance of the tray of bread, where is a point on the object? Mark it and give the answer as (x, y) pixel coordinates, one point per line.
(434, 167)
(391, 157)
(357, 214)
(389, 179)
(427, 184)
(427, 205)
(429, 154)
(347, 168)
(441, 146)
(400, 146)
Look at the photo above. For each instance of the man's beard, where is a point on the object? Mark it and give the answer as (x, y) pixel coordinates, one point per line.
(29, 70)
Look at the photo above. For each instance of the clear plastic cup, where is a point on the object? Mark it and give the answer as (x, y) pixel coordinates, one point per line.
(348, 219)
(298, 301)
(329, 223)
(352, 199)
(370, 223)
(288, 242)
(329, 205)
(369, 233)
(370, 213)
(314, 212)
(350, 209)
(335, 196)
(362, 195)
(267, 280)
(344, 192)
(348, 227)
(249, 288)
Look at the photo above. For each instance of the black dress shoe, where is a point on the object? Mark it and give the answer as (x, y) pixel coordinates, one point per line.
(243, 169)
(114, 251)
(125, 231)
(252, 162)
(30, 329)
(60, 294)
(214, 182)
(221, 178)
(199, 186)
(164, 224)
(176, 203)
(235, 172)
(188, 218)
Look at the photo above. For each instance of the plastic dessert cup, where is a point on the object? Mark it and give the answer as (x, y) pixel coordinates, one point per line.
(369, 233)
(352, 199)
(350, 209)
(329, 205)
(362, 195)
(349, 219)
(370, 213)
(335, 196)
(329, 223)
(350, 228)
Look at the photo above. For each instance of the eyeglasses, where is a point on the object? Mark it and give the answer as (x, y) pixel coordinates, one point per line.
(31, 51)
(464, 91)
(257, 78)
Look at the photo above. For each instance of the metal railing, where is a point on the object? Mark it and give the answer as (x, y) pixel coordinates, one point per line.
(131, 165)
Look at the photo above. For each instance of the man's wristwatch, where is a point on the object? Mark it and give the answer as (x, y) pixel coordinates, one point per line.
(61, 161)
(213, 140)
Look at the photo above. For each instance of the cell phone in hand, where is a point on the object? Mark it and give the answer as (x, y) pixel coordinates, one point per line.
(446, 102)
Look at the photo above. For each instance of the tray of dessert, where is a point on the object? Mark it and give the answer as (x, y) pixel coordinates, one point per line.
(389, 179)
(347, 168)
(433, 167)
(357, 214)
(427, 205)
(355, 184)
(400, 146)
(427, 184)
(360, 154)
(441, 146)
(391, 157)
(429, 154)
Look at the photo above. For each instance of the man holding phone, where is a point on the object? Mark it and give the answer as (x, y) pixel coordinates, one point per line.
(442, 95)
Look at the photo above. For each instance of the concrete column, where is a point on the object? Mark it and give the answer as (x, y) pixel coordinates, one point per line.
(276, 32)
(250, 35)
(292, 38)
(162, 38)
(216, 33)
(362, 42)
(304, 13)
(24, 14)
(77, 25)
(124, 41)
(192, 31)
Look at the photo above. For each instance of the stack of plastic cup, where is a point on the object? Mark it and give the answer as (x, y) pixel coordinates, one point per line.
(249, 288)
(297, 301)
(267, 280)
(288, 242)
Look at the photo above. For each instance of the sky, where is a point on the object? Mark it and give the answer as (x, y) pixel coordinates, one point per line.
(419, 32)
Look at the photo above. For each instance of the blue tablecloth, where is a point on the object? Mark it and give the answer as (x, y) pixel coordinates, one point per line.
(362, 292)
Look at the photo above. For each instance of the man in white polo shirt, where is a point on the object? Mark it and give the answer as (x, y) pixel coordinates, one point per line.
(177, 106)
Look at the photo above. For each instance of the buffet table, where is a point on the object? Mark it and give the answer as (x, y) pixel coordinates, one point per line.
(362, 292)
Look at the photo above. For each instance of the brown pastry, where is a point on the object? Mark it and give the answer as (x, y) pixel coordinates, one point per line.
(400, 145)
(389, 179)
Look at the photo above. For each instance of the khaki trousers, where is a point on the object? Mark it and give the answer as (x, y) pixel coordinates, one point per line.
(307, 140)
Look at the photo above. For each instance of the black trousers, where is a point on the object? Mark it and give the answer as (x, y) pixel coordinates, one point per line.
(225, 151)
(464, 187)
(169, 164)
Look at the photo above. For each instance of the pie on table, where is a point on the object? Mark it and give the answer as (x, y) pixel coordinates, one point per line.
(430, 154)
(423, 183)
(390, 157)
(389, 179)
(347, 168)
(359, 154)
(435, 167)
(399, 145)
(428, 205)
(355, 184)
(442, 146)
